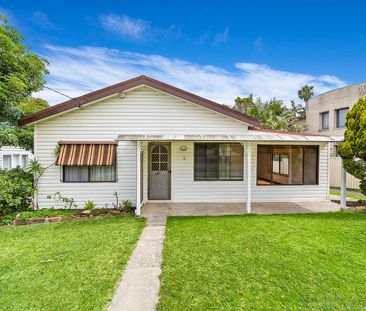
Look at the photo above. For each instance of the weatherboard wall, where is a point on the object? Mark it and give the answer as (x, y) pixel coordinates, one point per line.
(141, 111)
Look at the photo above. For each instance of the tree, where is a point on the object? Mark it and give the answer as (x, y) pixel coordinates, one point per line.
(305, 93)
(21, 72)
(244, 104)
(273, 114)
(353, 148)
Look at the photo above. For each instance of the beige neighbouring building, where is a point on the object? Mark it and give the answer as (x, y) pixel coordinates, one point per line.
(325, 114)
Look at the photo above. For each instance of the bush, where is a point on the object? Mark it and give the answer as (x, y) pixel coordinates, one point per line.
(16, 191)
(89, 205)
(127, 206)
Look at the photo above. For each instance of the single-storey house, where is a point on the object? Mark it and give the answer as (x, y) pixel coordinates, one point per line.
(150, 141)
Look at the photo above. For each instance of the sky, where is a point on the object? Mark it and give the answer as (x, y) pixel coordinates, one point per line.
(216, 49)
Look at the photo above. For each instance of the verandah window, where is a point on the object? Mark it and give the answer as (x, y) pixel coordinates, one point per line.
(287, 165)
(214, 161)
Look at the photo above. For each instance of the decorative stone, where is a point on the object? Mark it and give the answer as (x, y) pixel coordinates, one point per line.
(114, 212)
(36, 221)
(19, 222)
(85, 213)
(54, 219)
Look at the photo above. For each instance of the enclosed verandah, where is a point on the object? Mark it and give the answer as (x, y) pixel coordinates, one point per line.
(213, 194)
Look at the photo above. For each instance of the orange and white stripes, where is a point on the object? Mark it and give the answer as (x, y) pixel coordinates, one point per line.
(87, 154)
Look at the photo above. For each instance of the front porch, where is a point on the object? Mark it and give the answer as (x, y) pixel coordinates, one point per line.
(217, 209)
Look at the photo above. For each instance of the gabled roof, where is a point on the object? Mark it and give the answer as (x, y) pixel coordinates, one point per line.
(132, 83)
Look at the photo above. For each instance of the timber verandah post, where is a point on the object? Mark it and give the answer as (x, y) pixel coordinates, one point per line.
(343, 187)
(248, 151)
(138, 178)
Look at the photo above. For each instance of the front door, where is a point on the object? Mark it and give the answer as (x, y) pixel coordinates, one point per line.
(159, 171)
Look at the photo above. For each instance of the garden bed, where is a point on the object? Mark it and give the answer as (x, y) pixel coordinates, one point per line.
(57, 215)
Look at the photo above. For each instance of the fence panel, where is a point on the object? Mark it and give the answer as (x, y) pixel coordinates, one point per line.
(335, 175)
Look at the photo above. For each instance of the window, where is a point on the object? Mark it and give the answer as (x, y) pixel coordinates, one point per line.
(325, 120)
(16, 160)
(218, 161)
(341, 117)
(287, 165)
(280, 163)
(89, 173)
(7, 162)
(24, 161)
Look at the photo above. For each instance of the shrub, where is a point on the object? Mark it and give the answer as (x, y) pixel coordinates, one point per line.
(89, 205)
(16, 190)
(353, 148)
(127, 206)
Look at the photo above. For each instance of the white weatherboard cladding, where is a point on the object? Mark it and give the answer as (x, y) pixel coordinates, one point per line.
(186, 189)
(141, 111)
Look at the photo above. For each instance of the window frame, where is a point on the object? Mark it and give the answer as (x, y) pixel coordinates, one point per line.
(20, 164)
(337, 117)
(279, 163)
(89, 174)
(322, 114)
(218, 162)
(303, 166)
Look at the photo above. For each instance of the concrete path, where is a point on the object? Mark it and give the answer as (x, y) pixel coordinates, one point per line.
(139, 287)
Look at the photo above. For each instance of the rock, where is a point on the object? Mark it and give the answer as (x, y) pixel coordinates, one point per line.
(36, 221)
(114, 212)
(54, 219)
(85, 213)
(19, 222)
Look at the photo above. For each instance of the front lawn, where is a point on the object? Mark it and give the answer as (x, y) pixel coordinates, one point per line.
(65, 266)
(279, 262)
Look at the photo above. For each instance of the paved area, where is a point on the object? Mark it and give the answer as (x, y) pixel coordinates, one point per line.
(215, 209)
(139, 287)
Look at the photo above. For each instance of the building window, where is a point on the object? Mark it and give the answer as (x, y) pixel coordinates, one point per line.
(341, 117)
(11, 161)
(287, 165)
(325, 120)
(7, 162)
(24, 161)
(89, 173)
(214, 161)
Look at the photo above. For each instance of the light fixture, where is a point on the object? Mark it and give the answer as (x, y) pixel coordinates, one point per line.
(183, 148)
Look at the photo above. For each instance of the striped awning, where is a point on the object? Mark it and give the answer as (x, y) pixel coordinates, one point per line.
(89, 154)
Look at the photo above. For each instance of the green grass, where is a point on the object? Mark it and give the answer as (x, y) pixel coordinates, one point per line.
(65, 266)
(349, 195)
(279, 262)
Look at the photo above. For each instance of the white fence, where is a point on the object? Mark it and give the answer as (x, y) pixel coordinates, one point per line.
(335, 175)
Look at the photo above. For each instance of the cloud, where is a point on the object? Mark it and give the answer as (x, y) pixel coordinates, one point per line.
(42, 20)
(221, 36)
(125, 26)
(76, 71)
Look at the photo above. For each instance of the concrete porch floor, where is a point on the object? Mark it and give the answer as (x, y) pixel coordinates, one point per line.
(216, 209)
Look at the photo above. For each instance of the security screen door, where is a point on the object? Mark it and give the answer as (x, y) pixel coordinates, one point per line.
(159, 171)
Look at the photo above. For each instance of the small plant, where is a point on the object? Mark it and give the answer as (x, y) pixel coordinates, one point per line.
(116, 205)
(127, 206)
(68, 202)
(89, 205)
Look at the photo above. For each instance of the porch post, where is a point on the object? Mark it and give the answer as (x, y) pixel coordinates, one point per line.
(343, 186)
(138, 178)
(249, 178)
